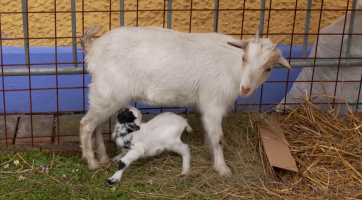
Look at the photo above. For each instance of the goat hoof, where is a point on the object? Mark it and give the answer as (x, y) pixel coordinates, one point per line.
(224, 171)
(93, 166)
(110, 181)
(84, 158)
(182, 175)
(104, 161)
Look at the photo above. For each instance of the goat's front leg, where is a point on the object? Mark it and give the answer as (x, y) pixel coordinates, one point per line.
(95, 116)
(214, 140)
(124, 163)
(100, 147)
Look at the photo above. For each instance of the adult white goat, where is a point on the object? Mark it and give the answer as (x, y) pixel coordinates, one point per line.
(157, 66)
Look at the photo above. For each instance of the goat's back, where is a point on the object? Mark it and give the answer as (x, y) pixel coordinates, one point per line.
(164, 127)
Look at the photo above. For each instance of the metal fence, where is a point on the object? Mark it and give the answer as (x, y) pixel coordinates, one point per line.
(64, 68)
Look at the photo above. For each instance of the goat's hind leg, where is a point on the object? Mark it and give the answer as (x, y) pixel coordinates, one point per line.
(184, 151)
(86, 131)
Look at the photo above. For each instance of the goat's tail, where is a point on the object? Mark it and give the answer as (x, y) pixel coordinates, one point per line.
(86, 40)
(188, 128)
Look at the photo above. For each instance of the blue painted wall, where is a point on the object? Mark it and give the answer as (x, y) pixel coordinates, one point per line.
(72, 99)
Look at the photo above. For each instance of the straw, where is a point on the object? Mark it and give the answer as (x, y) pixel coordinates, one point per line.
(327, 150)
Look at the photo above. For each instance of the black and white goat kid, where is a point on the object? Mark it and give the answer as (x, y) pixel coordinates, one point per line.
(162, 133)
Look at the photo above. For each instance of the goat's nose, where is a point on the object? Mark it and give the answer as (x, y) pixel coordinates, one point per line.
(245, 90)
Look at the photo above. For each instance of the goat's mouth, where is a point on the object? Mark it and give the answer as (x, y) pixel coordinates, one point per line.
(245, 94)
(133, 127)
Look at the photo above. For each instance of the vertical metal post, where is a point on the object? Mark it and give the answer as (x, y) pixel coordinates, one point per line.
(2, 80)
(74, 34)
(216, 15)
(121, 14)
(306, 28)
(25, 30)
(261, 30)
(351, 25)
(262, 15)
(169, 13)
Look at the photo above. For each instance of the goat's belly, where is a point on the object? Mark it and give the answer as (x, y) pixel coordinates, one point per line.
(166, 98)
(154, 152)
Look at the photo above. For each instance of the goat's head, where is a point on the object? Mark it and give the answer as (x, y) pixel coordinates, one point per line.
(260, 55)
(130, 117)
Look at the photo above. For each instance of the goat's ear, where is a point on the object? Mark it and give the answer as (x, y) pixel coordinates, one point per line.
(283, 62)
(239, 44)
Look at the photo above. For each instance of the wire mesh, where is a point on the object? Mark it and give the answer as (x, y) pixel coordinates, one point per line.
(120, 14)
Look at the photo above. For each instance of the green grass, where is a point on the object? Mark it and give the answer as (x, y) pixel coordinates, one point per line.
(241, 154)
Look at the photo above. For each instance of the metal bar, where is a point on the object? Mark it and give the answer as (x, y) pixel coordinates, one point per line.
(83, 64)
(164, 14)
(202, 9)
(74, 33)
(2, 80)
(351, 25)
(316, 49)
(262, 15)
(306, 28)
(190, 16)
(25, 30)
(66, 70)
(121, 14)
(70, 37)
(56, 57)
(216, 13)
(261, 31)
(241, 37)
(290, 54)
(28, 74)
(137, 13)
(110, 27)
(169, 13)
(359, 93)
(340, 54)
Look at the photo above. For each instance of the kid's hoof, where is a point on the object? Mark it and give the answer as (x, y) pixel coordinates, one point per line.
(111, 181)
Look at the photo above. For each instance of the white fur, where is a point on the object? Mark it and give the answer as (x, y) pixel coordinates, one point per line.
(162, 133)
(158, 66)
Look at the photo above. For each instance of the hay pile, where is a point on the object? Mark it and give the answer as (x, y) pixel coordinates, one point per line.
(328, 152)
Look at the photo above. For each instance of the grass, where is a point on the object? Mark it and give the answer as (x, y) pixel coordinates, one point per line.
(242, 151)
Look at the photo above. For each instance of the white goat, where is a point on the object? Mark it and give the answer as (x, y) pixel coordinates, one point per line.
(162, 133)
(157, 66)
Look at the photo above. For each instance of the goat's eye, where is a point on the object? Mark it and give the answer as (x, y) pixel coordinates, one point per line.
(268, 70)
(243, 59)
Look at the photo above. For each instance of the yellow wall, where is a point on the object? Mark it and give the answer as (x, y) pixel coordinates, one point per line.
(43, 24)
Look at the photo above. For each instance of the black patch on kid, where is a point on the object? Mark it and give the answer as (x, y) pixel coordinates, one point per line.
(122, 165)
(127, 143)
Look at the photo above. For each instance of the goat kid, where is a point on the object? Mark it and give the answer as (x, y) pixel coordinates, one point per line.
(158, 67)
(162, 133)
